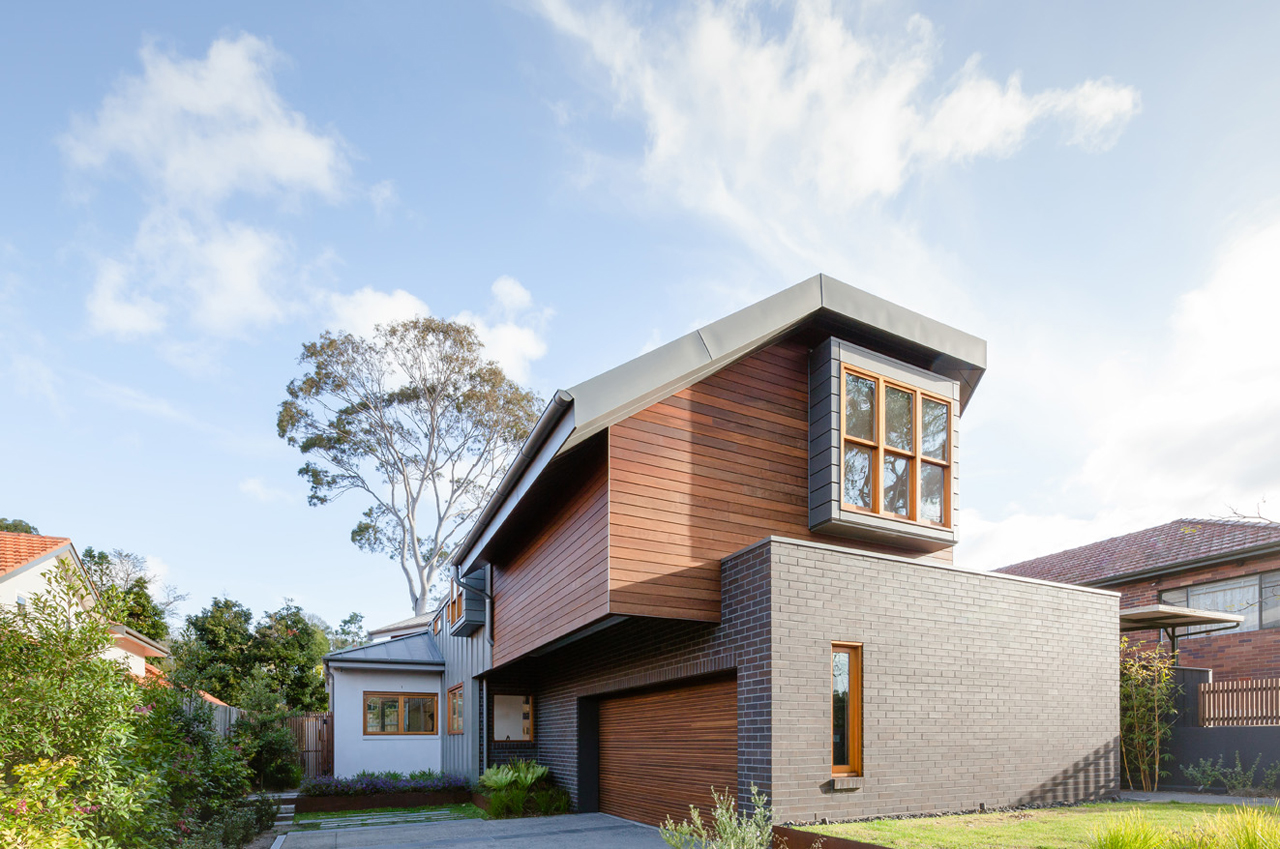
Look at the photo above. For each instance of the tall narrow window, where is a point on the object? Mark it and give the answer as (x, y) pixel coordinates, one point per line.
(454, 705)
(895, 450)
(846, 709)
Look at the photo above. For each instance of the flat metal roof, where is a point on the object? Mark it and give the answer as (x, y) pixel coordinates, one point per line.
(1165, 616)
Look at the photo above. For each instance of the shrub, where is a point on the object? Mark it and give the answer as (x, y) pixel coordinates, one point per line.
(549, 801)
(264, 735)
(265, 810)
(229, 830)
(508, 802)
(1237, 779)
(369, 784)
(728, 828)
(1204, 774)
(1146, 712)
(37, 811)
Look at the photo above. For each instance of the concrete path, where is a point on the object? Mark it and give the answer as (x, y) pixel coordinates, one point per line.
(1194, 798)
(563, 832)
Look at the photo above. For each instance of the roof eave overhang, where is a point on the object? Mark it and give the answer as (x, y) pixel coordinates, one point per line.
(427, 665)
(1184, 565)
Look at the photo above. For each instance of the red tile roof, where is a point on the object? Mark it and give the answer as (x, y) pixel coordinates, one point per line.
(20, 549)
(1183, 541)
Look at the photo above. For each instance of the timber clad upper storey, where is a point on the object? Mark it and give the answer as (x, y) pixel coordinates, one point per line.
(649, 475)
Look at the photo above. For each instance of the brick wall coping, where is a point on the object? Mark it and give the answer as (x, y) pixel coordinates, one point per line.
(839, 549)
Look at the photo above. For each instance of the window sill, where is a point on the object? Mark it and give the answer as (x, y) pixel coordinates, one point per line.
(836, 520)
(846, 782)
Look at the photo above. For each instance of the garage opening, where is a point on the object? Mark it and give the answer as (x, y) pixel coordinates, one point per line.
(661, 751)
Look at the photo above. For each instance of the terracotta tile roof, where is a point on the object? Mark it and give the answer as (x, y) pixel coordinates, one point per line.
(20, 549)
(1168, 545)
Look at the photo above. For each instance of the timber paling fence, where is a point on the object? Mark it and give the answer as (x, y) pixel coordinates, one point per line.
(1228, 703)
(313, 732)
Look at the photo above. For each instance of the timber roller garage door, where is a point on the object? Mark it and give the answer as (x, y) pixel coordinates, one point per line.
(664, 750)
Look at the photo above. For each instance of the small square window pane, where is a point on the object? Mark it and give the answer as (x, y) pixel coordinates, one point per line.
(897, 485)
(857, 476)
(859, 407)
(1174, 598)
(933, 439)
(932, 483)
(899, 419)
(420, 715)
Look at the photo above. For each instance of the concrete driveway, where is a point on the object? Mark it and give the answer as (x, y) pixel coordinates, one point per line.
(563, 832)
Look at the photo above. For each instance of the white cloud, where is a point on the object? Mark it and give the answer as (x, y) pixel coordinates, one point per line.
(363, 309)
(197, 133)
(1183, 431)
(157, 569)
(791, 139)
(258, 490)
(513, 329)
(200, 130)
(384, 197)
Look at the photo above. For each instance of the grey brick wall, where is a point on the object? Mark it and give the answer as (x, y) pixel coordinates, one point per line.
(976, 688)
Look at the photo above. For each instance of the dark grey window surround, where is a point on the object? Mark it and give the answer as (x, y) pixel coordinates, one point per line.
(826, 512)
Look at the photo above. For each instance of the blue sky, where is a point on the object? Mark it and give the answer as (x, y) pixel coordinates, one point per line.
(188, 193)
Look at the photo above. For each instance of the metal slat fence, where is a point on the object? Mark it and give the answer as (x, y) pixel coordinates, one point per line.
(1254, 702)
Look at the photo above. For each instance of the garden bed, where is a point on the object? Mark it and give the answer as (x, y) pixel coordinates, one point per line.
(330, 804)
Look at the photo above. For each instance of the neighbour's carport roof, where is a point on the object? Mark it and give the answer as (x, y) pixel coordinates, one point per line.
(416, 649)
(1167, 616)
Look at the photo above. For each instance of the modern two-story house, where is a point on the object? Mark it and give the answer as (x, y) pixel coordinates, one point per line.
(727, 563)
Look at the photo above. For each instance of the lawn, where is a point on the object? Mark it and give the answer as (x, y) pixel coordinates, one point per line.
(1044, 828)
(463, 811)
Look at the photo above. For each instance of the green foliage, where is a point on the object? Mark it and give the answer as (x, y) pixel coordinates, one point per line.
(122, 582)
(1270, 776)
(1205, 773)
(1238, 779)
(1130, 830)
(519, 773)
(203, 774)
(214, 650)
(350, 633)
(1147, 691)
(414, 416)
(727, 829)
(64, 702)
(231, 829)
(1241, 827)
(508, 802)
(264, 735)
(221, 648)
(289, 647)
(38, 809)
(18, 526)
(549, 801)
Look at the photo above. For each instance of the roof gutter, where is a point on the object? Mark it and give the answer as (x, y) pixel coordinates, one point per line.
(545, 426)
(1196, 563)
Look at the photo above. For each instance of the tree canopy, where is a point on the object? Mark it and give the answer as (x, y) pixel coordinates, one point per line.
(221, 649)
(417, 421)
(18, 526)
(122, 580)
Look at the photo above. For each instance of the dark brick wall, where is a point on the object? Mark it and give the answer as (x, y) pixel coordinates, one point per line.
(642, 653)
(1231, 656)
(977, 688)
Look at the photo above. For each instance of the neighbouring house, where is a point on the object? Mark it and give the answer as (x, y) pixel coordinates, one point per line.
(27, 561)
(727, 563)
(1227, 565)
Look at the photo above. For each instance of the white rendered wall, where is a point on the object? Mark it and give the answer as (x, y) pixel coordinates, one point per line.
(354, 751)
(30, 580)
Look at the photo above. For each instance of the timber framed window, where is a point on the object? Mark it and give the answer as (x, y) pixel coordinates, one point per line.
(895, 449)
(1255, 597)
(400, 713)
(454, 611)
(846, 709)
(453, 705)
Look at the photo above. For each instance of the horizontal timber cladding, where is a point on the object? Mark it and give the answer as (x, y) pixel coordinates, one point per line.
(557, 580)
(704, 473)
(662, 751)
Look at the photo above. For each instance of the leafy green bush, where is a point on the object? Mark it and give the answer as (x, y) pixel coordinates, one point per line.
(265, 810)
(264, 735)
(549, 801)
(229, 830)
(728, 828)
(1147, 709)
(64, 703)
(1204, 774)
(202, 773)
(37, 811)
(508, 802)
(1237, 779)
